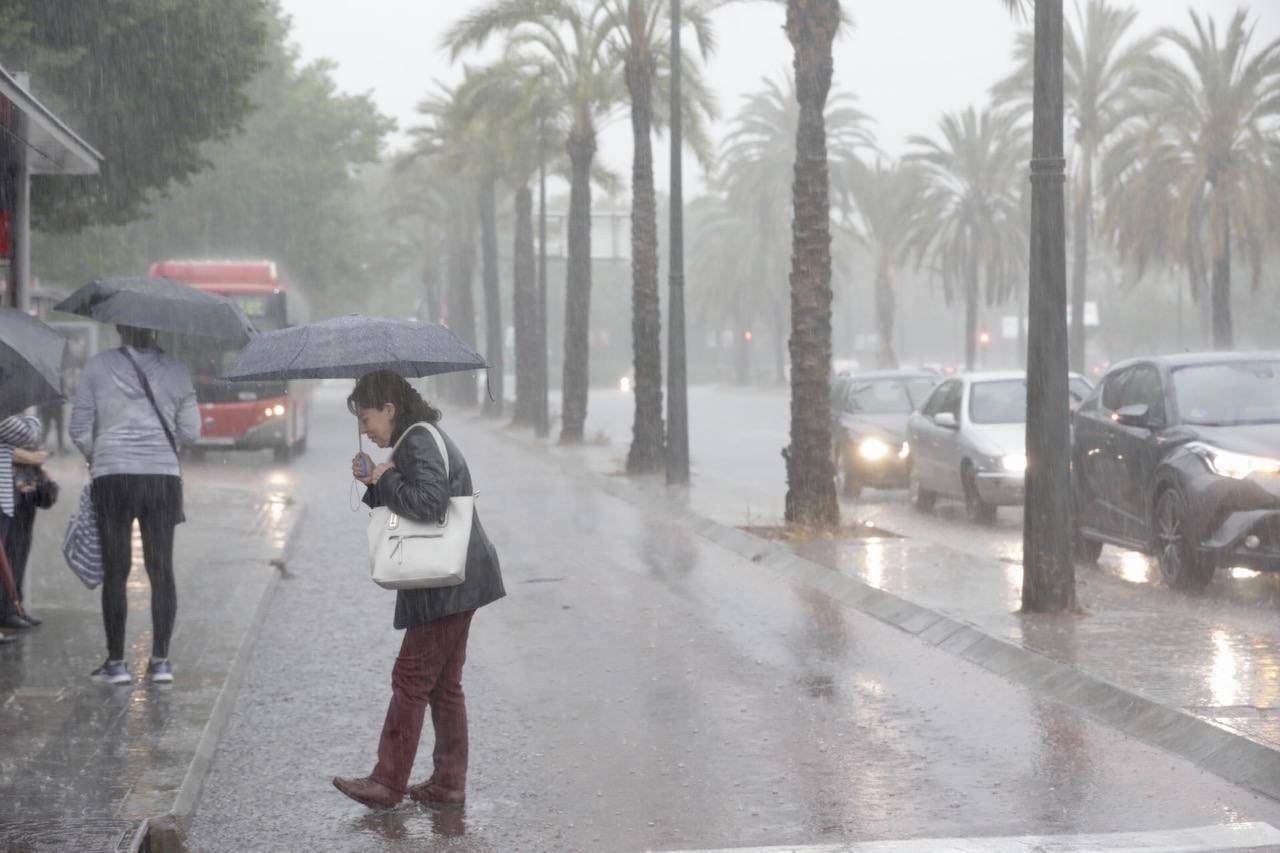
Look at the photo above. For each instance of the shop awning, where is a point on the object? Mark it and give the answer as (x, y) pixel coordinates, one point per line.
(52, 147)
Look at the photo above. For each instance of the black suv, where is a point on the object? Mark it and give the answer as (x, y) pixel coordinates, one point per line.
(1179, 457)
(869, 414)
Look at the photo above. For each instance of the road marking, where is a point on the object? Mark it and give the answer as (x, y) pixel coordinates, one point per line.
(1234, 836)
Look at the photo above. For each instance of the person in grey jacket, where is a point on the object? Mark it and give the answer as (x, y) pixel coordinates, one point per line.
(428, 670)
(132, 448)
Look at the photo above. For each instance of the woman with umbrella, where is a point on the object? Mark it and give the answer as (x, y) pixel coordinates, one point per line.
(418, 484)
(428, 671)
(133, 407)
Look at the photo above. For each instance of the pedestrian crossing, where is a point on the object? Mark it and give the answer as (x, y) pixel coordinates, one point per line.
(1255, 836)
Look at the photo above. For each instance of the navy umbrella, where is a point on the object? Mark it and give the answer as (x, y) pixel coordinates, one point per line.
(161, 304)
(351, 346)
(30, 362)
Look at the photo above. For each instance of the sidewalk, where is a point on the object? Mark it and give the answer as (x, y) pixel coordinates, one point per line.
(1209, 661)
(85, 766)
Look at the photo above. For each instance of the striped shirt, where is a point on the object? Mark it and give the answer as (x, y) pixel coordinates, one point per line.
(15, 431)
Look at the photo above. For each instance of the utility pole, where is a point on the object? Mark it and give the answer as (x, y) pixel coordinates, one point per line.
(677, 375)
(541, 419)
(1048, 574)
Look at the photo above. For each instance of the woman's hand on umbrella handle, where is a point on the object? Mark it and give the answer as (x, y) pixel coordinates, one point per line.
(362, 468)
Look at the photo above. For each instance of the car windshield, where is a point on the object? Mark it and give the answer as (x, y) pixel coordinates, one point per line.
(1242, 392)
(1002, 401)
(889, 396)
(1079, 388)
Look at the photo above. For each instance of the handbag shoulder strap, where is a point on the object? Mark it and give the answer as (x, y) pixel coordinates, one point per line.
(151, 397)
(435, 433)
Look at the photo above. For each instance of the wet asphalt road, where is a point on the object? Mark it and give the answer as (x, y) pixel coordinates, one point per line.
(641, 688)
(736, 436)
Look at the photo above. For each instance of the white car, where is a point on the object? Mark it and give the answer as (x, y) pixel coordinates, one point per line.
(968, 442)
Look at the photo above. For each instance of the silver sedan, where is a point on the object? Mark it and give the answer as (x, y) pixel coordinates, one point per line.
(968, 442)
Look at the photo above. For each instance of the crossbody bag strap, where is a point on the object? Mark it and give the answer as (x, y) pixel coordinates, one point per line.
(146, 389)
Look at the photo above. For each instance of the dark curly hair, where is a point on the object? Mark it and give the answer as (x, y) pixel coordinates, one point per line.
(374, 390)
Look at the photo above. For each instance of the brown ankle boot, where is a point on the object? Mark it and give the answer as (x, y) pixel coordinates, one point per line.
(429, 793)
(367, 792)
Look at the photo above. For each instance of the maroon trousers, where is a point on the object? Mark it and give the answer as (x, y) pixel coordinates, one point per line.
(427, 672)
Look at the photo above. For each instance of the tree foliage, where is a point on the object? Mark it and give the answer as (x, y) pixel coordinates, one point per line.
(286, 187)
(146, 82)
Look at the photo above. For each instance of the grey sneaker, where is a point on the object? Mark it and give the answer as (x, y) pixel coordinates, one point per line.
(160, 671)
(111, 672)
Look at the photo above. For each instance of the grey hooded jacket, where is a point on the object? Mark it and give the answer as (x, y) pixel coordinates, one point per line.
(113, 423)
(416, 488)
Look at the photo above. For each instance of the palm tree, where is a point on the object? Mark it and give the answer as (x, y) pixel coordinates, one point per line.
(1202, 150)
(754, 175)
(511, 100)
(1098, 67)
(571, 38)
(448, 141)
(811, 27)
(971, 218)
(886, 197)
(639, 34)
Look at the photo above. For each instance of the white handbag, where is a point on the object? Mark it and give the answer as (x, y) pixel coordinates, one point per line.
(409, 554)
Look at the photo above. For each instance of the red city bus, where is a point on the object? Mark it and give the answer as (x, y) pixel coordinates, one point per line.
(243, 415)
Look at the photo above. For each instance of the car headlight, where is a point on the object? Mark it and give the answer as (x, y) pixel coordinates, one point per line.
(873, 449)
(1237, 466)
(905, 451)
(1014, 463)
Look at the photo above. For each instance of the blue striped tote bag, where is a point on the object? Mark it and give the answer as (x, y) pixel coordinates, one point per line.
(82, 546)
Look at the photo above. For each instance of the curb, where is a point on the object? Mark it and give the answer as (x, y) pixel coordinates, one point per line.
(1229, 755)
(165, 834)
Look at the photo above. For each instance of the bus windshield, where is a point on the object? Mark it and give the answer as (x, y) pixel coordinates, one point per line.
(265, 310)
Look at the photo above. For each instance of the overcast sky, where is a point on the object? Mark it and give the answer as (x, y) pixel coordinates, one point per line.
(907, 61)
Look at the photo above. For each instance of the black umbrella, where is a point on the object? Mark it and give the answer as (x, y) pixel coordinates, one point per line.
(161, 304)
(30, 362)
(351, 346)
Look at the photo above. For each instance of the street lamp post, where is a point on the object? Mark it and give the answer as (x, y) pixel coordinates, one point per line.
(677, 381)
(1048, 579)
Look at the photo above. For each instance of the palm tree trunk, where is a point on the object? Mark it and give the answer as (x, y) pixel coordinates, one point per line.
(1223, 337)
(581, 147)
(811, 495)
(1080, 265)
(647, 453)
(542, 377)
(493, 332)
(460, 309)
(524, 307)
(888, 359)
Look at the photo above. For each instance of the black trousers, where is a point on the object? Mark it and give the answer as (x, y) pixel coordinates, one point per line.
(155, 500)
(17, 546)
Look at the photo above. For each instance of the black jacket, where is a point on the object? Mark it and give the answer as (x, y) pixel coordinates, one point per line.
(416, 488)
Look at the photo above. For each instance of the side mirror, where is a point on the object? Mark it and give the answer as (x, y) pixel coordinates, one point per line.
(1137, 415)
(946, 420)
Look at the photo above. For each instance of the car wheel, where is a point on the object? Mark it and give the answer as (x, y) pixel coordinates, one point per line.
(282, 453)
(1181, 564)
(978, 510)
(921, 498)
